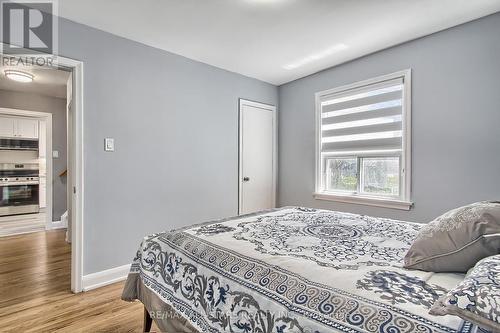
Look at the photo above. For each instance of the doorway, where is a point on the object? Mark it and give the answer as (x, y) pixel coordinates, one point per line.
(74, 173)
(257, 156)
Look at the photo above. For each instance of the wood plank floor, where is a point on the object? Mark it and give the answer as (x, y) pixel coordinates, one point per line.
(35, 291)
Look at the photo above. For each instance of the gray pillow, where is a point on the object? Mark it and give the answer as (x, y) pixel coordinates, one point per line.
(456, 240)
(477, 297)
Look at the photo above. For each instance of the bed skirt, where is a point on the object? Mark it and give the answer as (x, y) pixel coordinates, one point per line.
(166, 318)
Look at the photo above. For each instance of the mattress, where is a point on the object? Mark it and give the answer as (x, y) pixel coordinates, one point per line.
(292, 269)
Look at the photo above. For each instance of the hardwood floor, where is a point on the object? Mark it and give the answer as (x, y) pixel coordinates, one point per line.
(35, 291)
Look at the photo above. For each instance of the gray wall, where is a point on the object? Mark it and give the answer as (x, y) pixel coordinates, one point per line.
(56, 106)
(456, 118)
(175, 124)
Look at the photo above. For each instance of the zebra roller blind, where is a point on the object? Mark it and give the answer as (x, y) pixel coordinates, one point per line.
(363, 139)
(363, 119)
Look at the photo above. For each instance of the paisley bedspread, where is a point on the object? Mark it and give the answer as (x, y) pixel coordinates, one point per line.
(294, 270)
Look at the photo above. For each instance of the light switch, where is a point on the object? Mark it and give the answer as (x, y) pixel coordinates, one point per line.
(55, 153)
(109, 144)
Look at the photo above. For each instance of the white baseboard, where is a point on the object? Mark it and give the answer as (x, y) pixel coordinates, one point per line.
(56, 225)
(103, 278)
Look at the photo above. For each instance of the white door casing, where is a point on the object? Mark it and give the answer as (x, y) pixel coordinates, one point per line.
(42, 155)
(70, 126)
(257, 157)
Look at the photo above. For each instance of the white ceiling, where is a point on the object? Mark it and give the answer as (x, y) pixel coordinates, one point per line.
(47, 81)
(274, 40)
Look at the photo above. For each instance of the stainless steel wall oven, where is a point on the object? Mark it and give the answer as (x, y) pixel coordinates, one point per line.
(19, 188)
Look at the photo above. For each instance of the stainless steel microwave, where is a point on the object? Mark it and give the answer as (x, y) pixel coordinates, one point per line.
(18, 144)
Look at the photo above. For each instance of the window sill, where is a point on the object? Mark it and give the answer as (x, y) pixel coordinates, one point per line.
(362, 200)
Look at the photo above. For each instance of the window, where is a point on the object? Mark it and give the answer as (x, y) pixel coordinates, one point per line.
(363, 142)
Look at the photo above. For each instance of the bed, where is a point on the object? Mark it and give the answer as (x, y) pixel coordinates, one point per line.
(291, 269)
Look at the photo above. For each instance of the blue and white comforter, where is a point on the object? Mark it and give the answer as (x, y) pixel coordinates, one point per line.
(295, 270)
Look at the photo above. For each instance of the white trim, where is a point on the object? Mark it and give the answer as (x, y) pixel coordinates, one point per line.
(77, 236)
(47, 117)
(405, 203)
(56, 225)
(103, 278)
(363, 200)
(271, 108)
(360, 84)
(407, 136)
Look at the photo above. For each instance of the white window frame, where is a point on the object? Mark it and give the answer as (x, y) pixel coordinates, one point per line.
(404, 201)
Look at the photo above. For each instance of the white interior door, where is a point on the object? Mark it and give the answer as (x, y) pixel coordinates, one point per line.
(257, 157)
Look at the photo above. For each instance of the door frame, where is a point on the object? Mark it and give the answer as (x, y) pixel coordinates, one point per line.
(77, 180)
(268, 107)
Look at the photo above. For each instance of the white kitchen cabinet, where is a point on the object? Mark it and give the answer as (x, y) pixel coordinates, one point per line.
(7, 126)
(42, 140)
(27, 128)
(42, 194)
(17, 127)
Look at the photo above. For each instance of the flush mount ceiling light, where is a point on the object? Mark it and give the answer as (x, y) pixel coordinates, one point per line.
(316, 56)
(19, 76)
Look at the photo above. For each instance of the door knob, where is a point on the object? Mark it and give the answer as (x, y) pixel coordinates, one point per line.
(246, 179)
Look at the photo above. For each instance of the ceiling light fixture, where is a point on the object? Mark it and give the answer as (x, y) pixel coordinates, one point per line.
(19, 76)
(316, 56)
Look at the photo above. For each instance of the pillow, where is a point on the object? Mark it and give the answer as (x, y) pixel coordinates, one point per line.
(477, 297)
(456, 240)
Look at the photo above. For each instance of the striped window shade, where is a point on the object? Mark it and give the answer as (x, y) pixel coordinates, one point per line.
(363, 140)
(363, 119)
